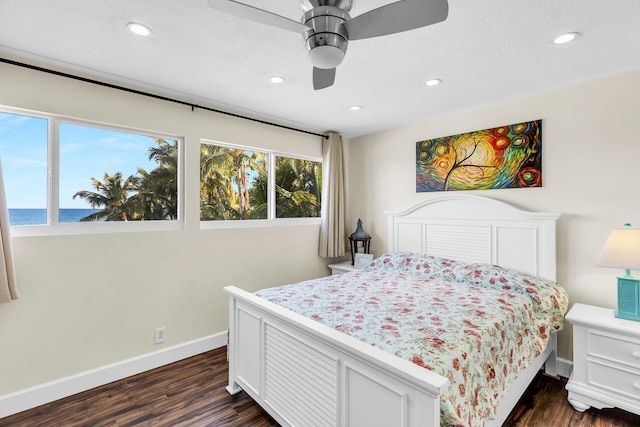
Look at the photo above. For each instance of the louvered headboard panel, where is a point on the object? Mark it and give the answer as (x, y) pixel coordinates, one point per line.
(478, 229)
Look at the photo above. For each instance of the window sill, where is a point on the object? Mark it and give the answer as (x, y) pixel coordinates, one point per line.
(71, 228)
(279, 222)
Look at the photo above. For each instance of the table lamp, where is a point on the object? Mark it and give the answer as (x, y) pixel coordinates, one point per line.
(622, 250)
(360, 241)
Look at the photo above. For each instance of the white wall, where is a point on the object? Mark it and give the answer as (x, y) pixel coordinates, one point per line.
(93, 300)
(590, 149)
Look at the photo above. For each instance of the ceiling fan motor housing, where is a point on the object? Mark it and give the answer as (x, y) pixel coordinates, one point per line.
(328, 40)
(307, 5)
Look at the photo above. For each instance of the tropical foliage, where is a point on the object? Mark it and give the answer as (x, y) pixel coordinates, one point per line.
(144, 196)
(234, 185)
(225, 187)
(297, 188)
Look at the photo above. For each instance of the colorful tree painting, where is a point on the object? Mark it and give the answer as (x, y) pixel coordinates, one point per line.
(503, 157)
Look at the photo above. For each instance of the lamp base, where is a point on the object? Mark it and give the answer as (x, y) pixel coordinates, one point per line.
(628, 298)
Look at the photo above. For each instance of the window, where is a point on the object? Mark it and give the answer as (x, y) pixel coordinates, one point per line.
(233, 183)
(23, 149)
(119, 176)
(298, 188)
(97, 175)
(238, 183)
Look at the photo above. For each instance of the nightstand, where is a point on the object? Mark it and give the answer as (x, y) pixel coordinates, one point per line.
(341, 267)
(606, 360)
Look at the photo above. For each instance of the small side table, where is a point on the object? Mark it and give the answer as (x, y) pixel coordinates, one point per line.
(341, 267)
(606, 360)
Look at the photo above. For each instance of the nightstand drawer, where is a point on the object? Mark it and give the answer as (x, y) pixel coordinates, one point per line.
(620, 381)
(614, 347)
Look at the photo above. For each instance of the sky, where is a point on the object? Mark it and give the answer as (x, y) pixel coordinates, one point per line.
(85, 153)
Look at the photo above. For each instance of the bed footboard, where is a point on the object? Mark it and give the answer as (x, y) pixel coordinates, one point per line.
(302, 372)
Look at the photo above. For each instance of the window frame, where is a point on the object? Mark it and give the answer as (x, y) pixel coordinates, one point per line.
(271, 219)
(53, 226)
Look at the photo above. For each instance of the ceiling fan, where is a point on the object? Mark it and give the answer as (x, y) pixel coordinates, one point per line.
(327, 27)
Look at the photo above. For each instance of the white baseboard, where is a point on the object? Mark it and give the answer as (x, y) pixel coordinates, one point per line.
(22, 400)
(564, 367)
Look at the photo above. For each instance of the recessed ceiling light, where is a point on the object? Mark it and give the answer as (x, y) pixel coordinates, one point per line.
(139, 29)
(355, 108)
(433, 82)
(565, 38)
(276, 80)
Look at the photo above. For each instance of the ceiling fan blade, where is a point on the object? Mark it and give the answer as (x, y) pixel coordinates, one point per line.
(397, 17)
(323, 77)
(251, 13)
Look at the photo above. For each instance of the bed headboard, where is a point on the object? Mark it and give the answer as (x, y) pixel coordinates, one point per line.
(472, 228)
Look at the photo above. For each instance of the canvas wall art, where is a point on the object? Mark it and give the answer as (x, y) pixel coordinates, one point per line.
(503, 157)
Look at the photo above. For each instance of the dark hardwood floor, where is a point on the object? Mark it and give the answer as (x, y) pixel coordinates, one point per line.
(191, 393)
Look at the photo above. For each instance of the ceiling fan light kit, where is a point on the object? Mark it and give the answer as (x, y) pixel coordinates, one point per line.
(327, 27)
(327, 39)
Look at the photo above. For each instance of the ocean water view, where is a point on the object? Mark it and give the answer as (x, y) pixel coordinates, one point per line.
(39, 216)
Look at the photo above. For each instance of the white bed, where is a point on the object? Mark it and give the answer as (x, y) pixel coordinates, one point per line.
(352, 383)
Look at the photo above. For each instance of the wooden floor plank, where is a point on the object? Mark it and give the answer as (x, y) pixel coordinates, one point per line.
(191, 393)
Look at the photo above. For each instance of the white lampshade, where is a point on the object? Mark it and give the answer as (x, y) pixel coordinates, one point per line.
(622, 249)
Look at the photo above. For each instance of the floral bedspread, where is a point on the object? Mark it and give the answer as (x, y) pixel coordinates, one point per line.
(478, 325)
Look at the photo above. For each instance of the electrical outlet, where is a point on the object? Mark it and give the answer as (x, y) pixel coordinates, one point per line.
(159, 336)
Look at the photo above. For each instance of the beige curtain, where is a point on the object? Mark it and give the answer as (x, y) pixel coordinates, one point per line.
(8, 289)
(332, 243)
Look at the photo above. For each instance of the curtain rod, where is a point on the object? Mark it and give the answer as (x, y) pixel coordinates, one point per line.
(151, 95)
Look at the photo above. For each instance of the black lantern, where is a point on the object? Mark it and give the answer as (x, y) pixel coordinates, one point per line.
(360, 240)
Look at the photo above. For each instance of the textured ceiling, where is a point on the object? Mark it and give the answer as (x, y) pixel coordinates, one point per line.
(486, 51)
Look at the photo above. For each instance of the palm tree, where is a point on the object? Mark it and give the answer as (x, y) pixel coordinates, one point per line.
(220, 168)
(113, 195)
(144, 196)
(242, 161)
(298, 188)
(157, 192)
(217, 197)
(259, 196)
